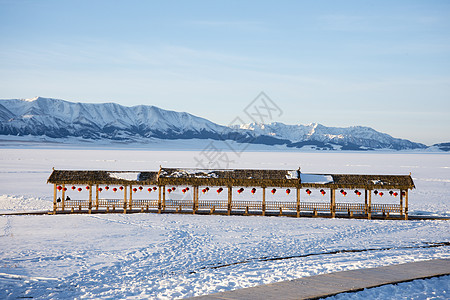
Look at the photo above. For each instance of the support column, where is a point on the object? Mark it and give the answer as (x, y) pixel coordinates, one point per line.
(130, 201)
(63, 203)
(195, 199)
(264, 201)
(366, 206)
(298, 202)
(333, 202)
(369, 207)
(401, 202)
(90, 198)
(124, 199)
(54, 198)
(159, 199)
(406, 205)
(164, 198)
(230, 198)
(96, 196)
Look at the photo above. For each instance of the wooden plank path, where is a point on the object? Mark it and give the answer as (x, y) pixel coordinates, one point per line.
(233, 213)
(315, 287)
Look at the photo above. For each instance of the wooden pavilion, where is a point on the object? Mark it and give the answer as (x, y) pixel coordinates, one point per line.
(167, 180)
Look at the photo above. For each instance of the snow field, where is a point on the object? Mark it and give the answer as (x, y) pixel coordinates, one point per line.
(177, 256)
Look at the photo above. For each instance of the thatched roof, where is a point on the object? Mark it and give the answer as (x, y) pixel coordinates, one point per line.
(103, 177)
(362, 181)
(226, 177)
(230, 177)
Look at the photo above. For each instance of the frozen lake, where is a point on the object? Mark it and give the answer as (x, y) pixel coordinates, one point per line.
(176, 256)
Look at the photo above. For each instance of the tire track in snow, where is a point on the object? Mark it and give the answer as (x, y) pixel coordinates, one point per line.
(263, 259)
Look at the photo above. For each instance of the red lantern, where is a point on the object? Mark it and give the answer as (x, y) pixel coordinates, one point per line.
(395, 194)
(154, 188)
(121, 188)
(288, 191)
(204, 191)
(358, 193)
(100, 189)
(253, 191)
(169, 190)
(73, 187)
(187, 188)
(106, 187)
(322, 192)
(87, 187)
(140, 188)
(240, 190)
(149, 190)
(80, 189)
(381, 194)
(273, 191)
(173, 189)
(308, 191)
(64, 189)
(219, 190)
(344, 193)
(114, 190)
(135, 190)
(59, 187)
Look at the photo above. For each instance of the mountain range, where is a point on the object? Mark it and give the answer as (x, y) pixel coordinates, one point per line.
(59, 119)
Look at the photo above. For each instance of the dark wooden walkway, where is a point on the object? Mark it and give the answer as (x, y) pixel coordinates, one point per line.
(325, 285)
(233, 213)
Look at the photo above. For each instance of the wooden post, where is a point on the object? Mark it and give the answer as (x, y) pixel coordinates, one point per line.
(406, 205)
(369, 207)
(264, 201)
(63, 204)
(54, 198)
(164, 198)
(96, 197)
(130, 201)
(159, 199)
(298, 202)
(366, 207)
(195, 199)
(333, 202)
(124, 199)
(90, 198)
(401, 202)
(230, 198)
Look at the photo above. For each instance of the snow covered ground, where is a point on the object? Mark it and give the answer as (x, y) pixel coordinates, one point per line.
(177, 256)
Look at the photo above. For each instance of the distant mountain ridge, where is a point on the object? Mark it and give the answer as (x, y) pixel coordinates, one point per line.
(61, 119)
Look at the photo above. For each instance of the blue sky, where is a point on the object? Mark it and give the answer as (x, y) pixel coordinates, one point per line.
(383, 64)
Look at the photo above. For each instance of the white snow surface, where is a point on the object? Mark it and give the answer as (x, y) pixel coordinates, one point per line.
(176, 256)
(316, 178)
(129, 176)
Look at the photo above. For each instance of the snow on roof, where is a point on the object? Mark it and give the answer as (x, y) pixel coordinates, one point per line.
(129, 176)
(316, 178)
(292, 174)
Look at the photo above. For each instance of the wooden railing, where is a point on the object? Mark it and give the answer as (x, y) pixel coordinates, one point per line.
(351, 207)
(251, 205)
(144, 203)
(209, 204)
(385, 208)
(358, 208)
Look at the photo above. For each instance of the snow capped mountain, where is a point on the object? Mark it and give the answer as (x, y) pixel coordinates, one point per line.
(58, 118)
(61, 119)
(355, 137)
